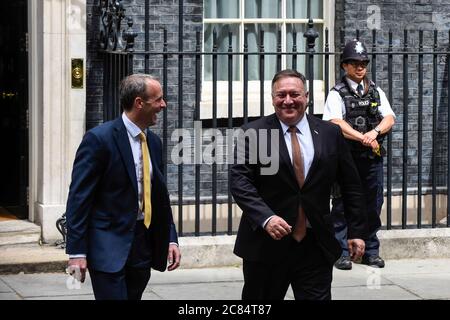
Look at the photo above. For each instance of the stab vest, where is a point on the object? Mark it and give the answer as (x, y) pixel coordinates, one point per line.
(361, 113)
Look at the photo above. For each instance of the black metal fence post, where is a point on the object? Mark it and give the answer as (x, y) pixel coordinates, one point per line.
(261, 73)
(198, 151)
(434, 150)
(180, 112)
(230, 127)
(311, 35)
(165, 93)
(448, 131)
(214, 137)
(389, 140)
(419, 131)
(405, 132)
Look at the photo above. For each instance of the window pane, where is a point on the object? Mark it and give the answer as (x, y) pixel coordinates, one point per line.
(270, 45)
(263, 8)
(301, 47)
(222, 31)
(298, 9)
(221, 8)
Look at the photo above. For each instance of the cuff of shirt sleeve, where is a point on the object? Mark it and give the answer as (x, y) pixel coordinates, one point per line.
(265, 222)
(77, 256)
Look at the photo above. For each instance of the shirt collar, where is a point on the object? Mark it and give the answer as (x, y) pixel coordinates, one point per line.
(353, 84)
(132, 129)
(302, 125)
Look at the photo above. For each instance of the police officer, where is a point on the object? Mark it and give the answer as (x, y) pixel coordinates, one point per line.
(365, 116)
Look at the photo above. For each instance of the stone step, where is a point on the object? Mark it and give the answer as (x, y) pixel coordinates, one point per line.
(14, 232)
(32, 258)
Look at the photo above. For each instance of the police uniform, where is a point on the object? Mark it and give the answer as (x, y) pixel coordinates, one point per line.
(362, 105)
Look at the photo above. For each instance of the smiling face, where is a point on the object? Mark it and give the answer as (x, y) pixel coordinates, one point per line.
(152, 104)
(289, 100)
(355, 70)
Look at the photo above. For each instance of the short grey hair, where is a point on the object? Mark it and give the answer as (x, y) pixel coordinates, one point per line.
(131, 87)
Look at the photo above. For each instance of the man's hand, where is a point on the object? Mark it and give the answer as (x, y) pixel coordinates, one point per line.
(356, 248)
(81, 263)
(277, 227)
(173, 257)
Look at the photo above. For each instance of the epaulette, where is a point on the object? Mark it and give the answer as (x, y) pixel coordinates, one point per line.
(338, 86)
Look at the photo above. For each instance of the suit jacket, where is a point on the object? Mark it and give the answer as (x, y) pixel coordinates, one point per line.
(261, 196)
(102, 205)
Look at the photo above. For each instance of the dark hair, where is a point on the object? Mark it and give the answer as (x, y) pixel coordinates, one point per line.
(288, 73)
(131, 87)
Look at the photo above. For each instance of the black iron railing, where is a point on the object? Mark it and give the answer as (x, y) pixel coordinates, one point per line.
(393, 66)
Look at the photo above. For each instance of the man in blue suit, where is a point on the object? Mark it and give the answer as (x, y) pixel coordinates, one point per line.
(111, 229)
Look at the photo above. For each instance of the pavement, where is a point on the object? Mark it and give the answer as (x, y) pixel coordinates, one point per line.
(401, 279)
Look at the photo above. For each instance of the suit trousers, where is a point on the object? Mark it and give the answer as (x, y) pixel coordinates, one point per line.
(130, 282)
(305, 269)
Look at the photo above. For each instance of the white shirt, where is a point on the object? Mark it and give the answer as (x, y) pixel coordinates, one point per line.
(306, 143)
(135, 143)
(304, 137)
(335, 108)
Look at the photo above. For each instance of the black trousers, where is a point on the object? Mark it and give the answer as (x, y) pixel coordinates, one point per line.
(305, 269)
(371, 173)
(130, 282)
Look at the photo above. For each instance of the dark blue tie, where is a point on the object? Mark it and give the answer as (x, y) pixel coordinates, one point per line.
(360, 89)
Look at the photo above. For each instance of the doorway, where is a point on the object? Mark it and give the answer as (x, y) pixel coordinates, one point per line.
(14, 110)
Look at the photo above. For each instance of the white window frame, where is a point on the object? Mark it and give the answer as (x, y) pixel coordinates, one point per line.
(253, 86)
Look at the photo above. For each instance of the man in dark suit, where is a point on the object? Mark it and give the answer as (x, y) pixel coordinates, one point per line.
(286, 234)
(111, 228)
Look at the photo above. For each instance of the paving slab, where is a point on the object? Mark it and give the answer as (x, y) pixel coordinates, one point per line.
(9, 296)
(4, 288)
(71, 297)
(384, 292)
(399, 280)
(42, 285)
(425, 286)
(416, 266)
(198, 275)
(359, 275)
(200, 291)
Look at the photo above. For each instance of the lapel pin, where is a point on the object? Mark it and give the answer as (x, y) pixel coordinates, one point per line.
(315, 131)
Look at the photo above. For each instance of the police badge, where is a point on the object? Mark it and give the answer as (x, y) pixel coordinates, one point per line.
(359, 47)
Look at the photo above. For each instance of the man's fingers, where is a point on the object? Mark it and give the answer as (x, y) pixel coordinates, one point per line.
(83, 275)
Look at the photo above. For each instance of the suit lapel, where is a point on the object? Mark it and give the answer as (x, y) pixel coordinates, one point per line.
(123, 143)
(317, 142)
(155, 153)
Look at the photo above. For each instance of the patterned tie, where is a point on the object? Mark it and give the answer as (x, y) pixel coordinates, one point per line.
(360, 89)
(300, 226)
(146, 202)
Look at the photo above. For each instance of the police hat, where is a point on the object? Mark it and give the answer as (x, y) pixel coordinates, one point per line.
(354, 50)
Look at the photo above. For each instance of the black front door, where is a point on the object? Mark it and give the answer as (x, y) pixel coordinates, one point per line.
(14, 108)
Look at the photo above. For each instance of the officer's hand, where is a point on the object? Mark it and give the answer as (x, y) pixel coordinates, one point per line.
(374, 145)
(277, 227)
(356, 248)
(369, 137)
